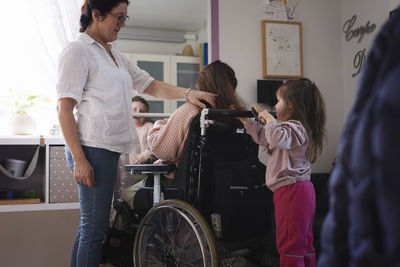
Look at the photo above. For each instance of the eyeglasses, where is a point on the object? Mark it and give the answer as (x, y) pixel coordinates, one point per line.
(120, 18)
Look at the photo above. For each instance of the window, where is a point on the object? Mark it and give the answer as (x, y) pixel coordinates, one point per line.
(33, 34)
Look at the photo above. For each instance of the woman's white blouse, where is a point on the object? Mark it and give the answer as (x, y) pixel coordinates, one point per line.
(103, 92)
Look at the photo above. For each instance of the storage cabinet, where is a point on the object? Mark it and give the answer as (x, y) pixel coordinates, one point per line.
(51, 182)
(182, 71)
(12, 189)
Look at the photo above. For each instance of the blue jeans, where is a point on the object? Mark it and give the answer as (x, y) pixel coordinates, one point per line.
(95, 205)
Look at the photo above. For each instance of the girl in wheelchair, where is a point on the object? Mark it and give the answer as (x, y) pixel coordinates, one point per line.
(293, 142)
(166, 140)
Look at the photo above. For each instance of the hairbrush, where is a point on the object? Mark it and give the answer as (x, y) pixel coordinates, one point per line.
(255, 109)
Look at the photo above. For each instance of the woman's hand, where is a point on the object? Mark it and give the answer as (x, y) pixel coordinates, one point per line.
(83, 173)
(195, 97)
(265, 116)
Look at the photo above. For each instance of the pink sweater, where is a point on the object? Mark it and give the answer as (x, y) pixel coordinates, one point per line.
(167, 139)
(288, 141)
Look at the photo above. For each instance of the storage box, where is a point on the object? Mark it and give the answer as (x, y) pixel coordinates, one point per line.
(63, 187)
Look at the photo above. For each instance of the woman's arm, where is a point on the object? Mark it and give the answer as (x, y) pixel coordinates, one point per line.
(167, 91)
(83, 171)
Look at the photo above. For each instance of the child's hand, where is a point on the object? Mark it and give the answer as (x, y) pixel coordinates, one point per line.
(265, 116)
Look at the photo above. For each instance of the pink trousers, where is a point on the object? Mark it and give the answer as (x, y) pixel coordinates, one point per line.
(294, 214)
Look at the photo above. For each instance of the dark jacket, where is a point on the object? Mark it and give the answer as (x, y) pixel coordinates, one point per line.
(362, 227)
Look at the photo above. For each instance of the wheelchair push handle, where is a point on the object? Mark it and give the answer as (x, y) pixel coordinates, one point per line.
(208, 115)
(229, 113)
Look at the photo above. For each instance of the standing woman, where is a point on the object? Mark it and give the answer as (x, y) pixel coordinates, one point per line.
(97, 82)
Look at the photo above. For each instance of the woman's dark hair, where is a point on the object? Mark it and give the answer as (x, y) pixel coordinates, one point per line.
(219, 78)
(309, 109)
(103, 6)
(141, 100)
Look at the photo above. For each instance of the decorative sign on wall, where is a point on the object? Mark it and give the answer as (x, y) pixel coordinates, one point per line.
(358, 33)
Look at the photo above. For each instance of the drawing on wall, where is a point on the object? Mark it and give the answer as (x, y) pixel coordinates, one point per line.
(282, 49)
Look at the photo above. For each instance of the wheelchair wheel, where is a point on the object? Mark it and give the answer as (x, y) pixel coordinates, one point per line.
(174, 233)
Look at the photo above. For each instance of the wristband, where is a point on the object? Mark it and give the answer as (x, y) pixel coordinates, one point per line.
(187, 94)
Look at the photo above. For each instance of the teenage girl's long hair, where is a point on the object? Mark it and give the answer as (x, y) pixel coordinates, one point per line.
(309, 109)
(219, 78)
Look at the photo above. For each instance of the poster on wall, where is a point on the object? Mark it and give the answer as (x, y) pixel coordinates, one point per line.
(282, 49)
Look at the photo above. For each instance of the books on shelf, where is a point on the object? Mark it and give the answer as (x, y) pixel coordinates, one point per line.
(203, 55)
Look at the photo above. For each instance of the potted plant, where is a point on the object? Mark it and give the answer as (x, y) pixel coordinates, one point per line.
(21, 122)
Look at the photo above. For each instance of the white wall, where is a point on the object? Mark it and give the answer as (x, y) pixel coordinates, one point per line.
(393, 4)
(240, 46)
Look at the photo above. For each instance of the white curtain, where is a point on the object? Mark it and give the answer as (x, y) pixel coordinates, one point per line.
(56, 23)
(33, 33)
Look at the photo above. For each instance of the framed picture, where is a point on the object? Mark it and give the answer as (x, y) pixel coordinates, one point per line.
(282, 49)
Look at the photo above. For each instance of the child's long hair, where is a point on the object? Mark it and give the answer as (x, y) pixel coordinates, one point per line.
(309, 109)
(219, 78)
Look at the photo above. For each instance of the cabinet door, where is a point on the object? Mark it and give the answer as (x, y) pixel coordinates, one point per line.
(158, 66)
(184, 73)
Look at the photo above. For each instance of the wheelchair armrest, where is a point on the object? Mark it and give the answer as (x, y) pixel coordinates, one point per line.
(150, 168)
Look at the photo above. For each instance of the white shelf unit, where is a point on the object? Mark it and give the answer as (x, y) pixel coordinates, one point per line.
(176, 70)
(22, 143)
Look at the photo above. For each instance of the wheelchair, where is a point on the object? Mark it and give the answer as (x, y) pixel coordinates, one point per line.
(218, 207)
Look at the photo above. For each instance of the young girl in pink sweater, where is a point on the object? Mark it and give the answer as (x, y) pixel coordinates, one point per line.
(293, 141)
